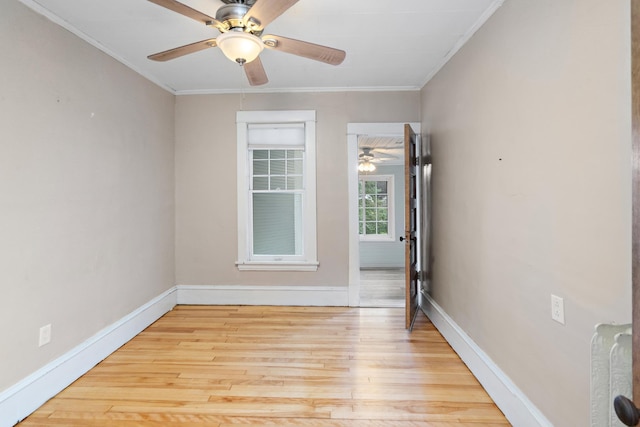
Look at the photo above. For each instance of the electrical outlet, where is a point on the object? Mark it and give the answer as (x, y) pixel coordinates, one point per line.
(45, 335)
(557, 309)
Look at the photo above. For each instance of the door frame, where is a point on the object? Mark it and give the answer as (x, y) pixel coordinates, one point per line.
(353, 131)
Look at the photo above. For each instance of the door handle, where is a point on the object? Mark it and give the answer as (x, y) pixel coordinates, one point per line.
(626, 411)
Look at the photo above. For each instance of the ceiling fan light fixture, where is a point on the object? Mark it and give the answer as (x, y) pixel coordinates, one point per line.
(366, 166)
(239, 46)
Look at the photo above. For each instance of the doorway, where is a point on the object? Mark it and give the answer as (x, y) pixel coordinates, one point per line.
(376, 214)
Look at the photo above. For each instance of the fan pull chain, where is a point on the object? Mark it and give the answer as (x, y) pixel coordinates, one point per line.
(242, 87)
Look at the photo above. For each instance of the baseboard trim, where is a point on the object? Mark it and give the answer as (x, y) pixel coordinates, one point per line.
(515, 405)
(20, 400)
(329, 296)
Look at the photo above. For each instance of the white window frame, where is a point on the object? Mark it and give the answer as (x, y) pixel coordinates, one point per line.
(308, 260)
(391, 219)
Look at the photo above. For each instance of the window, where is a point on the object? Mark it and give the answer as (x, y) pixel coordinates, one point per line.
(277, 194)
(375, 208)
(276, 190)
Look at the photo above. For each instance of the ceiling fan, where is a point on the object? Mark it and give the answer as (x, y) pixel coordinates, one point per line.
(368, 155)
(241, 24)
(366, 160)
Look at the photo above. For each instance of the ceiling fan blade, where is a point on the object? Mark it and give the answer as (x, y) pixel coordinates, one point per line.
(189, 12)
(255, 72)
(183, 50)
(385, 154)
(265, 11)
(316, 52)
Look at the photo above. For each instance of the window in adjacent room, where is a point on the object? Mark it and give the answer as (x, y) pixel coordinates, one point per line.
(375, 208)
(276, 190)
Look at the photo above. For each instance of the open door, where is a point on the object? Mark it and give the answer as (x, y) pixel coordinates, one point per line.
(626, 407)
(410, 224)
(635, 94)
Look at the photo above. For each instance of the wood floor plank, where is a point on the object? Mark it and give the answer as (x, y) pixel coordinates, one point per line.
(277, 366)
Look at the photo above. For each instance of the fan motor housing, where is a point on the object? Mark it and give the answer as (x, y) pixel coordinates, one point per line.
(232, 13)
(247, 2)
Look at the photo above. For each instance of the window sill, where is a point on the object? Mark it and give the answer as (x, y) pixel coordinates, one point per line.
(276, 266)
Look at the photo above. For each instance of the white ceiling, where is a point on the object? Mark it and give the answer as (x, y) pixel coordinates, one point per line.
(390, 45)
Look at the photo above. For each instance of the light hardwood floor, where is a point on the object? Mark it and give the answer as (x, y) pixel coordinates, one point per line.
(382, 287)
(277, 366)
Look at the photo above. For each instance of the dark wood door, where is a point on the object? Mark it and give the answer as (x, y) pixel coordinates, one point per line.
(627, 406)
(635, 83)
(410, 225)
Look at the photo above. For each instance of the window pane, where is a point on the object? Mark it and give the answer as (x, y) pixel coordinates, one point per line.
(277, 167)
(370, 228)
(382, 201)
(294, 183)
(370, 187)
(360, 228)
(369, 201)
(260, 154)
(277, 224)
(294, 154)
(260, 167)
(294, 167)
(382, 187)
(383, 215)
(382, 228)
(277, 154)
(261, 183)
(278, 183)
(370, 214)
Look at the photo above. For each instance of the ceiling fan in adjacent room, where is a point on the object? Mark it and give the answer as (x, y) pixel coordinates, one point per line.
(366, 160)
(370, 156)
(241, 24)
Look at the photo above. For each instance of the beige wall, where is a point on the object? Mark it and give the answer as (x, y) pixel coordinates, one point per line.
(530, 125)
(86, 190)
(206, 221)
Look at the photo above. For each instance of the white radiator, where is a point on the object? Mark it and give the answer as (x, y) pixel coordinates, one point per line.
(611, 352)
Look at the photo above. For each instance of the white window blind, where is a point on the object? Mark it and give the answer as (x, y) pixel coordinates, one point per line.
(277, 224)
(276, 135)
